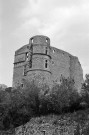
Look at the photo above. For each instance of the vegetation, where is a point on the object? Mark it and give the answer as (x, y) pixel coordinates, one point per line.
(18, 105)
(85, 90)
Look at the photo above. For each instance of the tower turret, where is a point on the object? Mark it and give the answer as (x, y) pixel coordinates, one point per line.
(39, 58)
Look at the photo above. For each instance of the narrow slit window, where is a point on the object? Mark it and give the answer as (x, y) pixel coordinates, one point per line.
(27, 56)
(46, 64)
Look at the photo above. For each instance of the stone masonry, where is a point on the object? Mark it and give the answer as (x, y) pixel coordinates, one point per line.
(39, 61)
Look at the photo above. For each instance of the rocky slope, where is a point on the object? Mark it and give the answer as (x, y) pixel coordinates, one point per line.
(69, 124)
(76, 123)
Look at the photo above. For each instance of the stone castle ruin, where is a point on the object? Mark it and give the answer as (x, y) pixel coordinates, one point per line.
(39, 61)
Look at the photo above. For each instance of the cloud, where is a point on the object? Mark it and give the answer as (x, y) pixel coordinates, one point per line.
(66, 22)
(51, 18)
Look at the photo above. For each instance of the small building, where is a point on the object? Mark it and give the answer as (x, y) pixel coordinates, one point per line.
(39, 61)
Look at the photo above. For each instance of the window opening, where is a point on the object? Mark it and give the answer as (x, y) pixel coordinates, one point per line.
(27, 56)
(46, 40)
(53, 51)
(46, 63)
(32, 40)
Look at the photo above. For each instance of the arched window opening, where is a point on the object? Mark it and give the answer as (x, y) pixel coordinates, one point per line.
(46, 63)
(46, 40)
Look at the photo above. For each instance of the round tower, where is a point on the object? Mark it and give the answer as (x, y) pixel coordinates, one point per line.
(39, 59)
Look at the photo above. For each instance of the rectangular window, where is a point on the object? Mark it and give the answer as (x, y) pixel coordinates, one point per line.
(46, 63)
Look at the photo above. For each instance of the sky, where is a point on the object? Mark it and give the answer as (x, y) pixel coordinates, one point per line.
(65, 22)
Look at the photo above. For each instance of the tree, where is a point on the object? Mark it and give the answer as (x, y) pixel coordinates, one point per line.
(85, 85)
(85, 90)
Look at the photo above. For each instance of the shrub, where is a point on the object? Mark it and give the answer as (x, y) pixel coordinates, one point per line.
(22, 103)
(4, 107)
(85, 90)
(62, 98)
(65, 96)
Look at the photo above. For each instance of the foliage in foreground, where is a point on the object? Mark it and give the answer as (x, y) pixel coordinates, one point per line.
(85, 90)
(18, 105)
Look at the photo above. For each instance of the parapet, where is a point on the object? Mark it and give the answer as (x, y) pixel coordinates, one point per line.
(39, 39)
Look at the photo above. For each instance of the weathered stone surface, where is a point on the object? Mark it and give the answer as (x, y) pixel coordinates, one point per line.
(41, 61)
(55, 125)
(69, 124)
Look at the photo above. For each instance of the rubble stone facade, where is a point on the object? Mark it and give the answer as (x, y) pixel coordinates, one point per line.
(39, 61)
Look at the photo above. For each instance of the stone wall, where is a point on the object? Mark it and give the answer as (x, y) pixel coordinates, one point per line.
(19, 62)
(60, 64)
(40, 77)
(39, 59)
(76, 72)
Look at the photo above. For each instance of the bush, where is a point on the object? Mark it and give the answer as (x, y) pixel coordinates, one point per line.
(85, 90)
(62, 98)
(25, 103)
(20, 104)
(4, 107)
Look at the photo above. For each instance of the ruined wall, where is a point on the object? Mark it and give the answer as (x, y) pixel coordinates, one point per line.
(19, 62)
(76, 72)
(38, 60)
(60, 64)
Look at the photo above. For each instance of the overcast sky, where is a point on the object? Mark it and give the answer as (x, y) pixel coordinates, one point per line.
(65, 22)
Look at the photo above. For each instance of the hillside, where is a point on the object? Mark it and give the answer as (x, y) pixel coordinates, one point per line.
(28, 111)
(76, 123)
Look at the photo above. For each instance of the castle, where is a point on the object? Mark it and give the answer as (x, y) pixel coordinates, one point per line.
(39, 61)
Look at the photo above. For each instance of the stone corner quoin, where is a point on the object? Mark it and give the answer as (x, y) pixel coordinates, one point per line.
(45, 64)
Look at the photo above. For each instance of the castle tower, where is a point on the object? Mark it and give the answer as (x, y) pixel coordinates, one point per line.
(44, 64)
(32, 61)
(38, 67)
